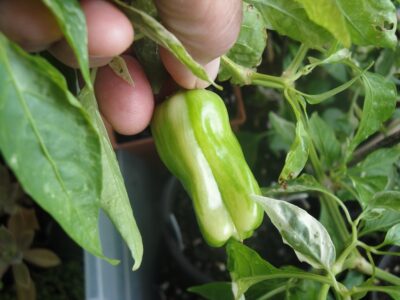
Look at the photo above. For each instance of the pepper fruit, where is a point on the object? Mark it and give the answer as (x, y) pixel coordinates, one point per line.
(194, 139)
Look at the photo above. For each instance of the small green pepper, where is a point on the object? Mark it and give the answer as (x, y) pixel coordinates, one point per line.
(195, 141)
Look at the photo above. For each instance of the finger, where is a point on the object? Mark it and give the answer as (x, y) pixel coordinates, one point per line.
(28, 23)
(183, 76)
(207, 28)
(127, 108)
(110, 33)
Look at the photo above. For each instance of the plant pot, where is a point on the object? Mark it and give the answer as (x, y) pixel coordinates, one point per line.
(106, 282)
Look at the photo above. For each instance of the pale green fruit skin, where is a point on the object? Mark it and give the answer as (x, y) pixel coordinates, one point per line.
(195, 141)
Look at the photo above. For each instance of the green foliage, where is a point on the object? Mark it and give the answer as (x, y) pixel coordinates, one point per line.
(72, 22)
(252, 40)
(379, 105)
(297, 156)
(301, 231)
(37, 107)
(114, 198)
(341, 144)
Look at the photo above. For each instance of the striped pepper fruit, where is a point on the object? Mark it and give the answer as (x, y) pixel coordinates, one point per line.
(194, 140)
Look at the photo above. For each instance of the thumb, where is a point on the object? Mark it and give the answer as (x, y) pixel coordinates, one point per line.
(207, 28)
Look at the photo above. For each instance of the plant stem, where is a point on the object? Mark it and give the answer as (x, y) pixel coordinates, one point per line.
(323, 293)
(267, 80)
(365, 267)
(296, 62)
(245, 76)
(331, 207)
(272, 293)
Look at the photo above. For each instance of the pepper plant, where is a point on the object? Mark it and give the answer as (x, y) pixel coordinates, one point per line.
(342, 142)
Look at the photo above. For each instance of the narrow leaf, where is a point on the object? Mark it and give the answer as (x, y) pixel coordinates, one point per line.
(118, 65)
(57, 155)
(379, 105)
(42, 257)
(297, 157)
(114, 197)
(316, 99)
(72, 23)
(151, 28)
(334, 58)
(327, 14)
(308, 238)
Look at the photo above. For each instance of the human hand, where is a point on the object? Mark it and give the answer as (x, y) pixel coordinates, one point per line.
(206, 28)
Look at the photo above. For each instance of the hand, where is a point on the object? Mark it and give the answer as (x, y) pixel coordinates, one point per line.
(207, 28)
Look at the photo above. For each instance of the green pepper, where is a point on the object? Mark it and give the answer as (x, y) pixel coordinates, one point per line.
(195, 141)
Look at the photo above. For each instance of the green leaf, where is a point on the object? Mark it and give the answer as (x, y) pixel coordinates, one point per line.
(383, 222)
(289, 18)
(248, 269)
(118, 65)
(393, 291)
(304, 289)
(214, 290)
(334, 58)
(318, 98)
(327, 14)
(307, 183)
(282, 133)
(151, 28)
(387, 200)
(382, 212)
(379, 105)
(366, 187)
(252, 40)
(304, 183)
(250, 141)
(370, 22)
(72, 23)
(147, 52)
(244, 262)
(393, 236)
(57, 155)
(375, 173)
(343, 124)
(42, 257)
(301, 231)
(114, 197)
(297, 157)
(145, 5)
(325, 141)
(353, 278)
